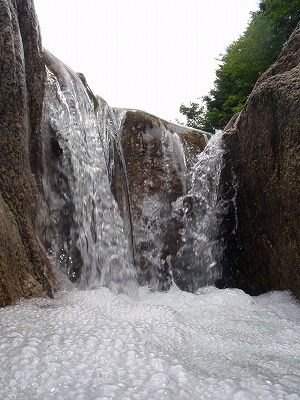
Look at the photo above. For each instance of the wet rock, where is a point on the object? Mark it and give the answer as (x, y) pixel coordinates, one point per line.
(261, 182)
(24, 268)
(158, 158)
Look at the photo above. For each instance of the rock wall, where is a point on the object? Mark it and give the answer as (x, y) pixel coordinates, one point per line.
(261, 182)
(158, 158)
(24, 269)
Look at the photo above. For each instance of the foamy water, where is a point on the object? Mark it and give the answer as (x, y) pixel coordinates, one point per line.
(217, 344)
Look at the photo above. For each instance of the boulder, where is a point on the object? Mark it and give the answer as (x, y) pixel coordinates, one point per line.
(158, 157)
(24, 268)
(261, 182)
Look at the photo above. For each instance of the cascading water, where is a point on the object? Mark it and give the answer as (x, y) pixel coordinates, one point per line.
(156, 176)
(110, 128)
(164, 169)
(85, 220)
(79, 221)
(153, 229)
(199, 214)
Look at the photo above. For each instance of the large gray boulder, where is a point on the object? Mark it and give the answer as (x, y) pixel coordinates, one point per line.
(261, 181)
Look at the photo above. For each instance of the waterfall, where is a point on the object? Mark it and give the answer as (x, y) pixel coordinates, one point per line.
(79, 221)
(199, 213)
(86, 221)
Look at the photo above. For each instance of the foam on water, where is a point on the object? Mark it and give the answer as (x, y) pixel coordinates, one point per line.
(216, 344)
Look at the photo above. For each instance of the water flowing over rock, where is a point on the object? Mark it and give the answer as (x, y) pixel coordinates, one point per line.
(110, 193)
(173, 190)
(199, 213)
(121, 197)
(24, 268)
(158, 192)
(262, 162)
(79, 221)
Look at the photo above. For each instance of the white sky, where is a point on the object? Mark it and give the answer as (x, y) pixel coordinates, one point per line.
(147, 54)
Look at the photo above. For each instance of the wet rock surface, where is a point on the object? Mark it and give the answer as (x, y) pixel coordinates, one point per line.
(158, 158)
(24, 267)
(261, 182)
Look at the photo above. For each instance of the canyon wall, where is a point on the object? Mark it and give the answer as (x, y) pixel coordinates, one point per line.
(261, 181)
(24, 268)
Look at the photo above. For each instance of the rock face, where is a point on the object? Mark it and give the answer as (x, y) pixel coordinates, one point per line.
(24, 269)
(261, 182)
(158, 158)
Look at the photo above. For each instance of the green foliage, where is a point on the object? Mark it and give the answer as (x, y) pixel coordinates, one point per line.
(283, 16)
(242, 64)
(194, 114)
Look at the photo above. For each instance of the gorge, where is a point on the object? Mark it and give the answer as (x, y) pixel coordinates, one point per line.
(109, 191)
(113, 216)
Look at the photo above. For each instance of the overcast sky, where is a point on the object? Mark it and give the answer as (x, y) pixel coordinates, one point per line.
(147, 54)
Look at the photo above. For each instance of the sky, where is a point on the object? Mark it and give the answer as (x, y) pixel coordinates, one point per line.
(151, 55)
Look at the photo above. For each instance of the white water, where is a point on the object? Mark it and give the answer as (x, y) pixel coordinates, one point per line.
(217, 344)
(97, 229)
(200, 212)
